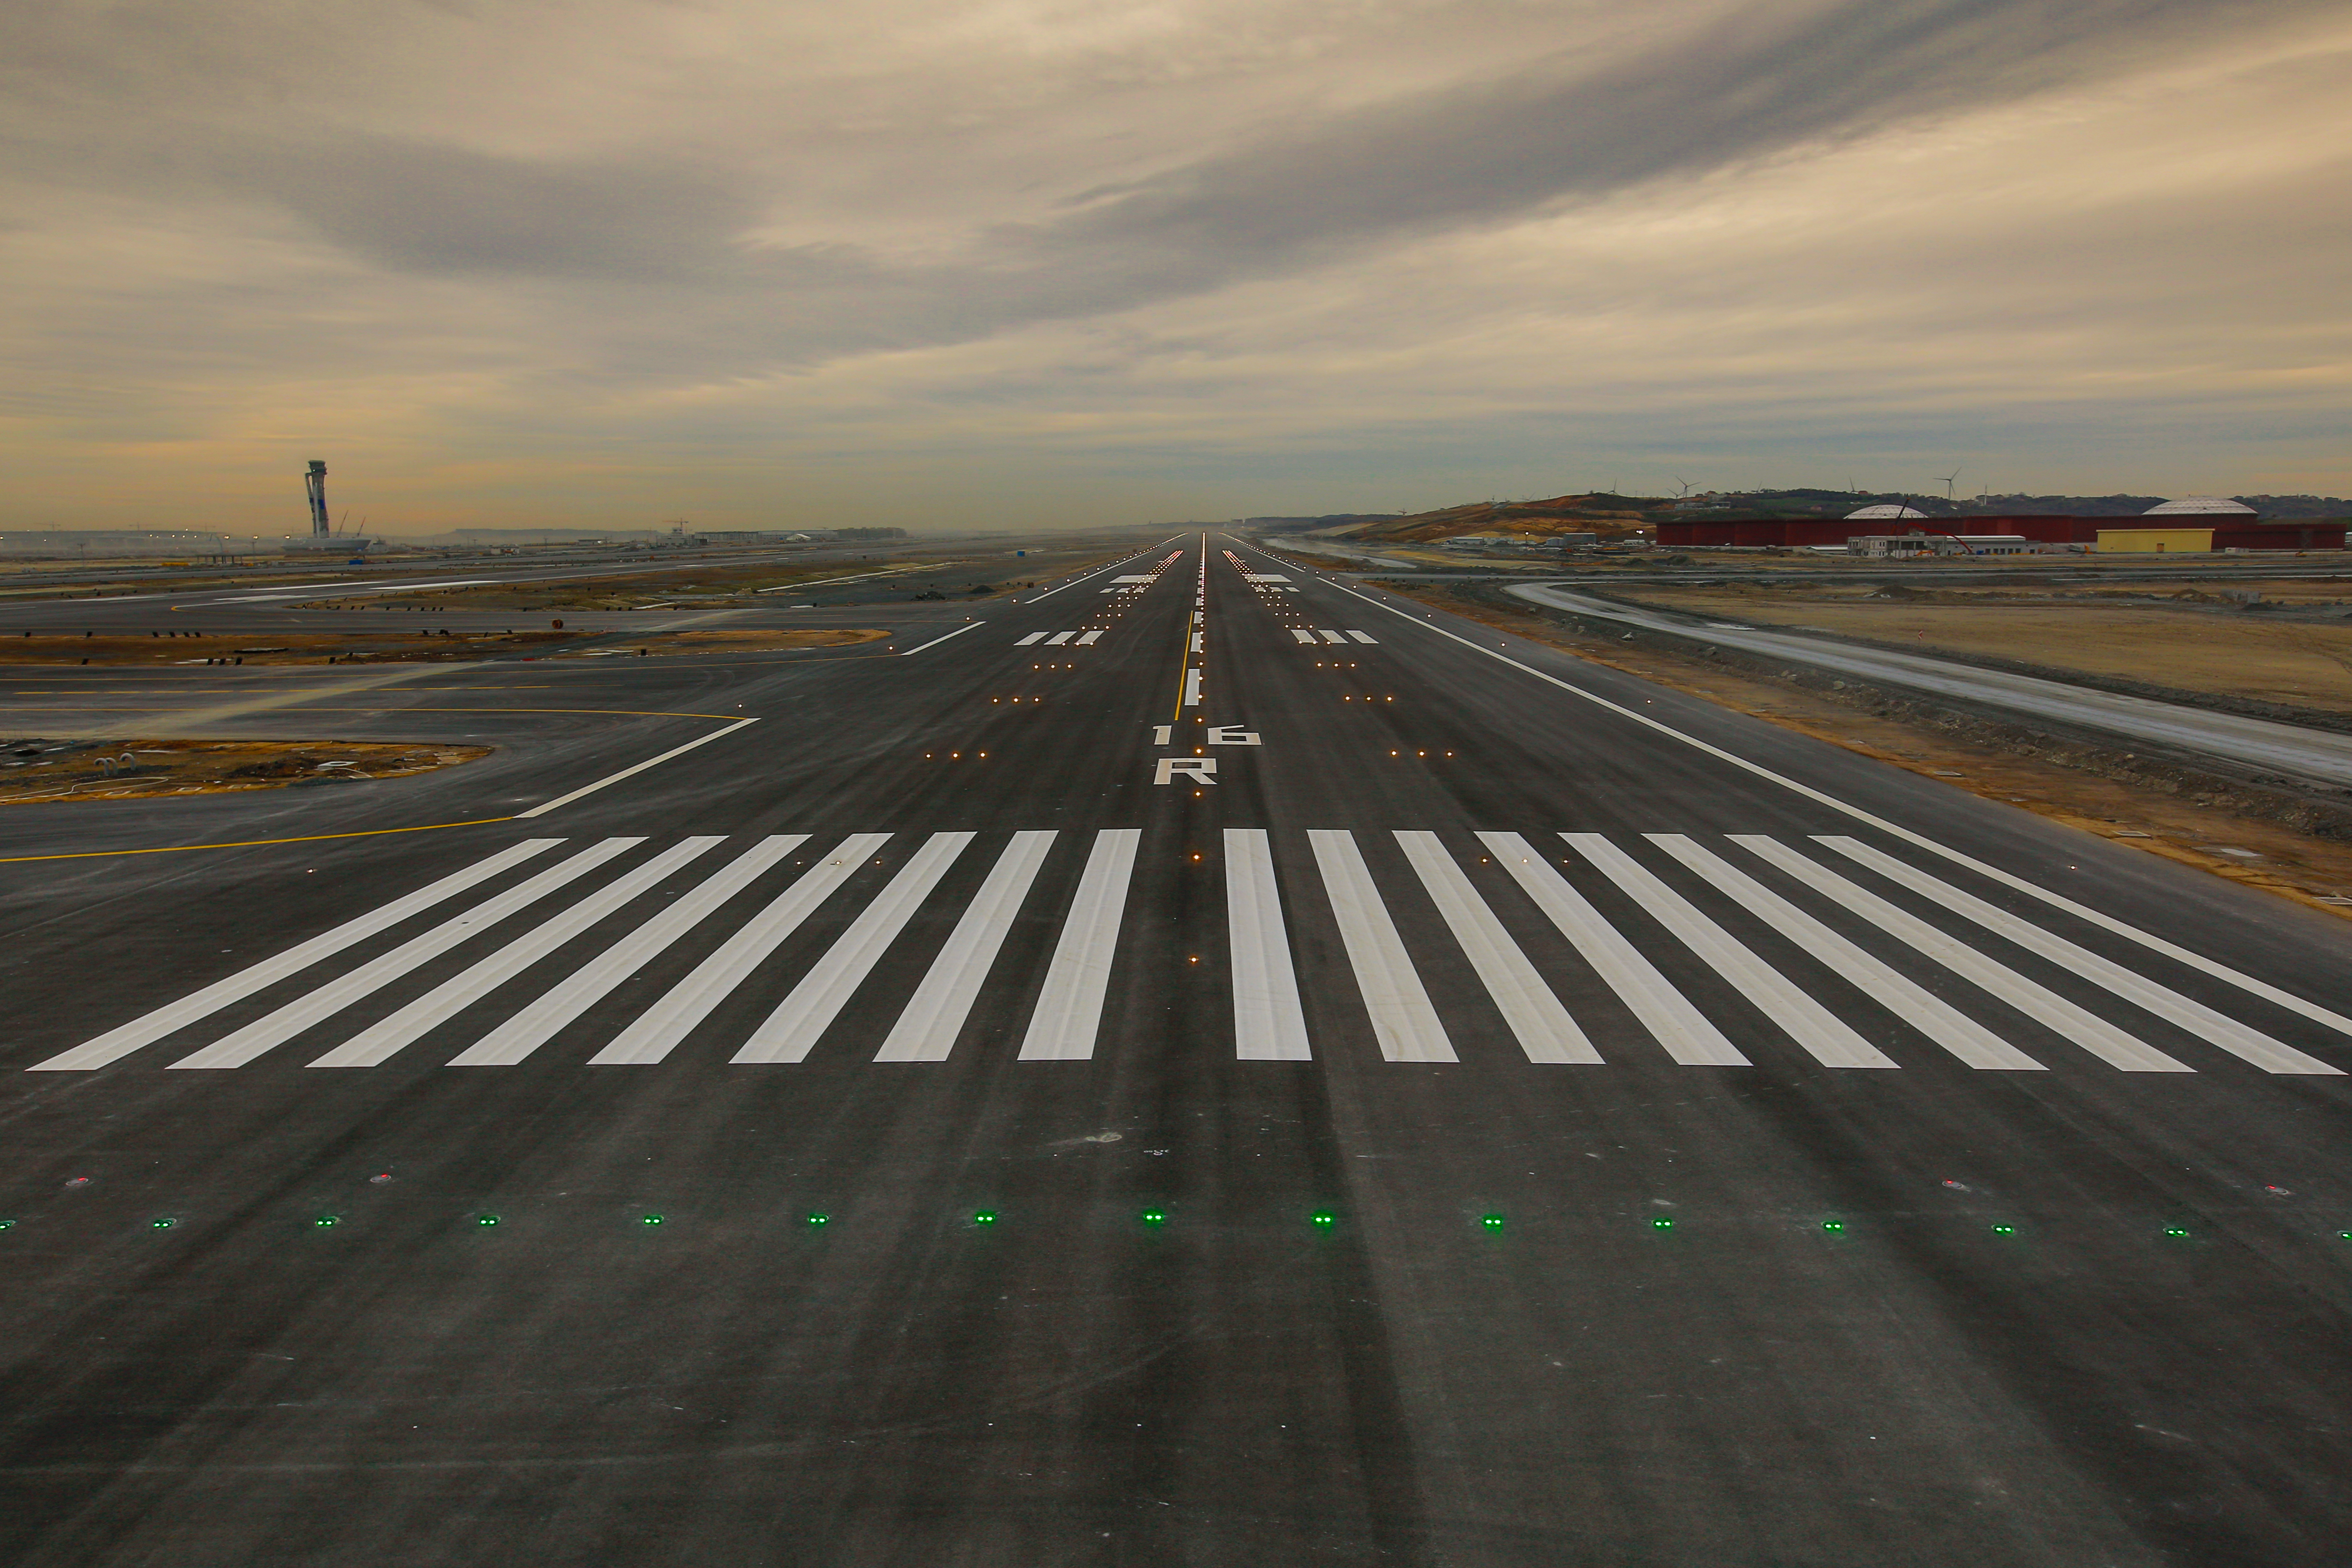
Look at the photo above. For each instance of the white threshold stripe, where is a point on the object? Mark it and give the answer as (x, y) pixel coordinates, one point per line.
(1268, 1023)
(1330, 637)
(146, 1029)
(1058, 638)
(2149, 940)
(1679, 1027)
(1088, 578)
(537, 1024)
(791, 1032)
(926, 1030)
(1546, 1033)
(1087, 639)
(1362, 637)
(2078, 1026)
(1069, 1006)
(968, 627)
(378, 1042)
(1909, 1001)
(1032, 637)
(545, 806)
(2220, 1028)
(275, 1028)
(657, 1031)
(1301, 635)
(1403, 1022)
(1828, 1038)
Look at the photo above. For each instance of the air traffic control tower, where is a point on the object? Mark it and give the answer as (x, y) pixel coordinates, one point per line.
(322, 532)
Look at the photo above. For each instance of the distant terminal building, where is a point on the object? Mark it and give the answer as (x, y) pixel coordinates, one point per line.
(2233, 525)
(110, 542)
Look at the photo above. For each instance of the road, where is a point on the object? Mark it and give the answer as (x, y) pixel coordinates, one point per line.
(1207, 1065)
(2313, 756)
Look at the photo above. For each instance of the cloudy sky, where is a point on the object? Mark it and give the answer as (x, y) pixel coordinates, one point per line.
(1007, 263)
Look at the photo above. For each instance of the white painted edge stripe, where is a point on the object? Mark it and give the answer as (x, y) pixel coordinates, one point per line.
(1403, 1022)
(2244, 981)
(146, 1029)
(1088, 578)
(1544, 1031)
(968, 627)
(1069, 1006)
(2078, 1026)
(546, 806)
(1827, 1037)
(276, 1027)
(537, 1024)
(789, 1032)
(659, 1029)
(1679, 1027)
(1268, 1023)
(2220, 1028)
(927, 1029)
(1032, 637)
(1909, 1001)
(378, 1042)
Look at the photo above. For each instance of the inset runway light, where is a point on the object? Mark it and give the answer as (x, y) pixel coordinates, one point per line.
(488, 1219)
(1491, 1222)
(985, 1216)
(1832, 1224)
(1323, 1216)
(165, 1224)
(1154, 1217)
(2004, 1230)
(1662, 1223)
(7, 1225)
(2174, 1230)
(325, 1220)
(819, 1220)
(652, 1219)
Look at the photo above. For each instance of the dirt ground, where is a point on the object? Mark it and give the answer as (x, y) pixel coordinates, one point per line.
(748, 640)
(35, 770)
(2277, 859)
(2189, 636)
(170, 651)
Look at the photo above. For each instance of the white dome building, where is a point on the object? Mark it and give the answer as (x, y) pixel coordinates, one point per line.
(1883, 513)
(2201, 506)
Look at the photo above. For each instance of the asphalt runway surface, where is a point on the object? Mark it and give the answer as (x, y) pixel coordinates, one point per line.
(1204, 1066)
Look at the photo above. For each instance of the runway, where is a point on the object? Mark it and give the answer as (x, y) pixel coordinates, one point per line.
(1207, 1064)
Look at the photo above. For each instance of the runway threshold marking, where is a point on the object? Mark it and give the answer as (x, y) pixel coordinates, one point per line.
(2107, 923)
(1386, 915)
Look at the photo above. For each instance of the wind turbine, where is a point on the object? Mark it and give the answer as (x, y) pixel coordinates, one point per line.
(1686, 486)
(1947, 479)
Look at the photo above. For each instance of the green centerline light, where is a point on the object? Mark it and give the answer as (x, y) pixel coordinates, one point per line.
(819, 1220)
(1491, 1222)
(1832, 1224)
(1155, 1216)
(165, 1224)
(325, 1220)
(1662, 1223)
(2174, 1230)
(1323, 1216)
(984, 1216)
(652, 1219)
(2004, 1230)
(486, 1219)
